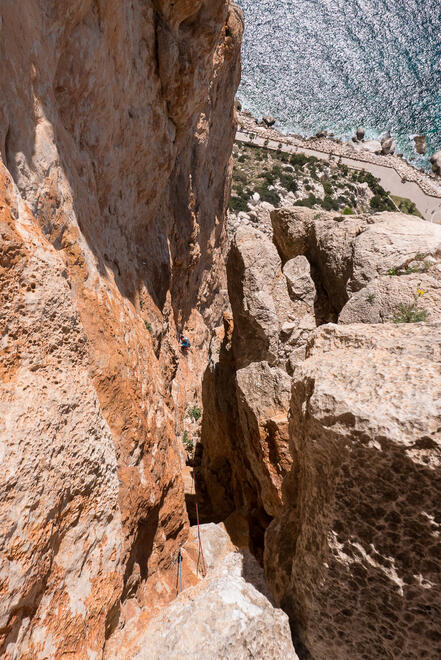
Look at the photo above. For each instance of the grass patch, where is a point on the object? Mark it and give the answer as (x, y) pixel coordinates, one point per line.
(148, 326)
(410, 314)
(411, 269)
(406, 206)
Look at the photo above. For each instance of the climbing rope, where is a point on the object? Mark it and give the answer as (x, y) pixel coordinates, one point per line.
(201, 558)
(179, 578)
(201, 552)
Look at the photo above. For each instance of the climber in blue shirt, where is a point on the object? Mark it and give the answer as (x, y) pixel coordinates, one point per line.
(185, 343)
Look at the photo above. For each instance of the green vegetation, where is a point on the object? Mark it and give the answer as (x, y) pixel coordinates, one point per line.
(381, 203)
(270, 173)
(194, 413)
(267, 195)
(299, 160)
(370, 298)
(328, 187)
(425, 265)
(381, 200)
(187, 442)
(410, 314)
(419, 267)
(288, 182)
(309, 201)
(148, 326)
(329, 204)
(406, 205)
(238, 203)
(411, 269)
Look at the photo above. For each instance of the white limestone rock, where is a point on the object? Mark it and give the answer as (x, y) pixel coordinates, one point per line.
(223, 618)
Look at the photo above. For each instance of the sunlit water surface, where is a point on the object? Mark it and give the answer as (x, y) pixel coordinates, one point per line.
(339, 64)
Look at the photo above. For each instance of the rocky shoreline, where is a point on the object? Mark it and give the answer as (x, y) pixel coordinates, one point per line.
(429, 183)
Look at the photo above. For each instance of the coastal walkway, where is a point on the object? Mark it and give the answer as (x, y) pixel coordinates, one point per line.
(428, 204)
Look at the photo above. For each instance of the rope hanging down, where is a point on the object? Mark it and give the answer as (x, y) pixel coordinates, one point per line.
(179, 578)
(201, 557)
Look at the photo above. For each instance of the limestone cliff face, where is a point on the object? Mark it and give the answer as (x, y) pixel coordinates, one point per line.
(327, 439)
(354, 556)
(116, 128)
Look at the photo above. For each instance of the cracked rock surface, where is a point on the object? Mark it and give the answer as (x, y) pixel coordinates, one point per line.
(350, 397)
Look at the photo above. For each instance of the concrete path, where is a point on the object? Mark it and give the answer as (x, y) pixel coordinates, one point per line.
(428, 205)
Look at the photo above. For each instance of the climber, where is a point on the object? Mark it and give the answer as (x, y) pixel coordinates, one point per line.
(185, 343)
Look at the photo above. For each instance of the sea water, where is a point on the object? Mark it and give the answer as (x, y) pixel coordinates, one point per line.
(340, 64)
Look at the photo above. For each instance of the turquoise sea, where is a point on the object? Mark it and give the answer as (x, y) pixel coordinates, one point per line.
(339, 64)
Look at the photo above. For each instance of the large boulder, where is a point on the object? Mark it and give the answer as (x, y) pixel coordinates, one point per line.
(325, 239)
(391, 242)
(420, 144)
(300, 283)
(355, 556)
(268, 120)
(373, 146)
(227, 616)
(394, 298)
(348, 252)
(435, 159)
(258, 295)
(263, 395)
(388, 146)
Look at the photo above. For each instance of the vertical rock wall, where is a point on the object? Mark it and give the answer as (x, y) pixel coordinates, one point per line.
(116, 128)
(326, 440)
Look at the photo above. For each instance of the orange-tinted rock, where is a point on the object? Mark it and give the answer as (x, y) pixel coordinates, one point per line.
(113, 184)
(227, 615)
